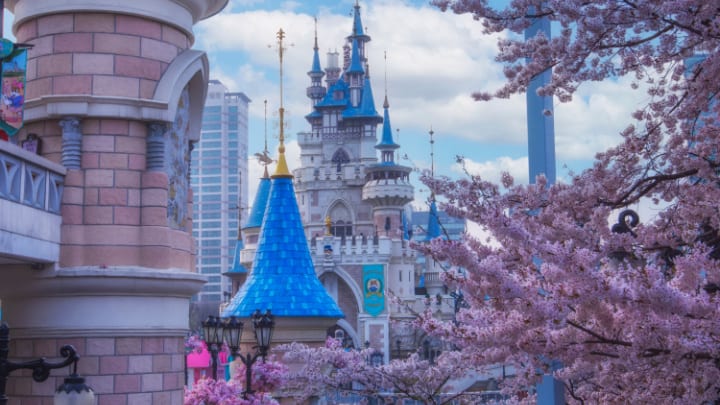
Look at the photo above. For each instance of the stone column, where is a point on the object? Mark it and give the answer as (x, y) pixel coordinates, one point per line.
(155, 158)
(71, 142)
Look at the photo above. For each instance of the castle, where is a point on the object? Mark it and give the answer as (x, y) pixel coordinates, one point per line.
(353, 199)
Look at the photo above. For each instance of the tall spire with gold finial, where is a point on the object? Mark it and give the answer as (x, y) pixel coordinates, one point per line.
(281, 170)
(283, 278)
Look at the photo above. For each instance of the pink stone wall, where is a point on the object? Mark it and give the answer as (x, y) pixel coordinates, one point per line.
(112, 203)
(99, 54)
(114, 211)
(121, 371)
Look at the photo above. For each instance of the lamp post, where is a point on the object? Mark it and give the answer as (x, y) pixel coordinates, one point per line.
(212, 329)
(263, 325)
(72, 392)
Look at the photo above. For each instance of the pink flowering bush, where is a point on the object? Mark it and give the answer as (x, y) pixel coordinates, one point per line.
(267, 377)
(194, 343)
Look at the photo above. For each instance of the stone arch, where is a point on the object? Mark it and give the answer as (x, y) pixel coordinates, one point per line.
(189, 69)
(346, 286)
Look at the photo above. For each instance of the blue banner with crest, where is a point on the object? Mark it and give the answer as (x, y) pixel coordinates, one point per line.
(374, 288)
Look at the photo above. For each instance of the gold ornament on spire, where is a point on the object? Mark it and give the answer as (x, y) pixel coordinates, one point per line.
(281, 170)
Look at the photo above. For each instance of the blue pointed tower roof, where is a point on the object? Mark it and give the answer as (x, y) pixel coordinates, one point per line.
(366, 109)
(283, 278)
(355, 62)
(261, 197)
(358, 31)
(237, 267)
(387, 141)
(316, 70)
(330, 101)
(433, 227)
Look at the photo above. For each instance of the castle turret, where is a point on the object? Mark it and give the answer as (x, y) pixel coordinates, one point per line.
(283, 278)
(316, 91)
(354, 75)
(333, 68)
(431, 273)
(358, 33)
(388, 186)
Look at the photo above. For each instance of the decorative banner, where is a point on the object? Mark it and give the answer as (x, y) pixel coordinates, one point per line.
(374, 288)
(13, 91)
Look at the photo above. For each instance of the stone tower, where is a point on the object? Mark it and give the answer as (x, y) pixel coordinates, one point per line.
(115, 93)
(352, 202)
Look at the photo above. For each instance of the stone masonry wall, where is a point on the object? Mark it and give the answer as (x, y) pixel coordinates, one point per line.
(121, 371)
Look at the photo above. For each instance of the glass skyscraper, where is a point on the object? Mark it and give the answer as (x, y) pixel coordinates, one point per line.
(219, 185)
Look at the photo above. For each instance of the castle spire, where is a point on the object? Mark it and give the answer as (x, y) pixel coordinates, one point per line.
(283, 278)
(281, 170)
(433, 227)
(387, 145)
(316, 91)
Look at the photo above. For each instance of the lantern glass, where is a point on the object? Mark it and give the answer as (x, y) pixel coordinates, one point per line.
(74, 391)
(264, 325)
(233, 332)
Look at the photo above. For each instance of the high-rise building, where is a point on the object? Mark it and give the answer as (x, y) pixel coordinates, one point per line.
(219, 185)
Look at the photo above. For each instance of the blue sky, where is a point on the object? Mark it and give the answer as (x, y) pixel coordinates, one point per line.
(434, 61)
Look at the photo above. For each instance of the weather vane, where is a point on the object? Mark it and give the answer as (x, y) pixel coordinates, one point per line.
(264, 157)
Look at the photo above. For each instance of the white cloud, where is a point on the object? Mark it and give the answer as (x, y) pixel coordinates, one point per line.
(592, 121)
(492, 170)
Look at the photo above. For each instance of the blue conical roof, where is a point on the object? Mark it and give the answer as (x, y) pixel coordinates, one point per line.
(358, 31)
(355, 62)
(258, 209)
(316, 70)
(366, 109)
(433, 227)
(236, 266)
(387, 142)
(283, 277)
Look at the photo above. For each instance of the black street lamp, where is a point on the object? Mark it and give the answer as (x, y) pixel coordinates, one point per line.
(263, 325)
(72, 392)
(213, 336)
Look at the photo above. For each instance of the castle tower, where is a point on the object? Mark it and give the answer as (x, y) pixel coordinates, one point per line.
(432, 270)
(388, 188)
(115, 93)
(346, 195)
(316, 91)
(283, 278)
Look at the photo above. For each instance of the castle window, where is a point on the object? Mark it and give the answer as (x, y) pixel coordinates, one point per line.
(341, 228)
(340, 158)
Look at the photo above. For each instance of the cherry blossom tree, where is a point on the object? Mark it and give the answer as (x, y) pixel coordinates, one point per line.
(332, 372)
(618, 317)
